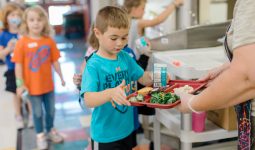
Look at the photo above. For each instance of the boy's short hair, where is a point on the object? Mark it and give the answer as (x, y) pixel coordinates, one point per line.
(109, 16)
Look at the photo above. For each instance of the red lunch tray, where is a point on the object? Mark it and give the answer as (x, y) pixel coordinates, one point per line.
(197, 85)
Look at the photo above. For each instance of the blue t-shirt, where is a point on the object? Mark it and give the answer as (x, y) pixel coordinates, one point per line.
(5, 37)
(132, 54)
(107, 124)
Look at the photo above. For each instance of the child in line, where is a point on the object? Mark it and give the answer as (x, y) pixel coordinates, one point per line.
(108, 72)
(77, 81)
(12, 20)
(34, 55)
(135, 10)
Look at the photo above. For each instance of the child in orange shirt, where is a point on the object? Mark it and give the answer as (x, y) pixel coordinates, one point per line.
(34, 55)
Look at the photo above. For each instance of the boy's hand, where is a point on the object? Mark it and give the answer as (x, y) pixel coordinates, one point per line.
(77, 79)
(118, 94)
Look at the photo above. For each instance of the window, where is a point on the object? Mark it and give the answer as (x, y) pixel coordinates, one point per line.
(56, 14)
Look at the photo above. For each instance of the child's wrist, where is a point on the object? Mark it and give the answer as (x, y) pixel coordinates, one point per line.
(19, 82)
(108, 94)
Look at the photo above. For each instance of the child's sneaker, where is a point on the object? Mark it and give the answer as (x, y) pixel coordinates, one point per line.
(41, 141)
(19, 122)
(30, 123)
(55, 137)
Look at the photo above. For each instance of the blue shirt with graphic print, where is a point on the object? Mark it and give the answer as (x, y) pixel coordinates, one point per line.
(5, 37)
(132, 54)
(108, 124)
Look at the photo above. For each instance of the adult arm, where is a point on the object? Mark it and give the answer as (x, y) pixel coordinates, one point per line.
(235, 85)
(161, 17)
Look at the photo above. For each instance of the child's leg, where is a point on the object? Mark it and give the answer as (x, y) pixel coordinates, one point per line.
(29, 106)
(11, 87)
(17, 105)
(18, 115)
(36, 102)
(30, 123)
(49, 105)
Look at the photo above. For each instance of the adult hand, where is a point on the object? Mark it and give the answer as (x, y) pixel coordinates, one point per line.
(212, 74)
(183, 106)
(118, 94)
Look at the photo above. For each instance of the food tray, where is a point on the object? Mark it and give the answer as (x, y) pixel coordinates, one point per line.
(197, 85)
(172, 85)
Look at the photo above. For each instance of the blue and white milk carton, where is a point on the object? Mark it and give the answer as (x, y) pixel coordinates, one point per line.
(159, 75)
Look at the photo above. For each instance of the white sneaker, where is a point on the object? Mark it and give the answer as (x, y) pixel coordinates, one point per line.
(19, 122)
(30, 123)
(55, 137)
(41, 141)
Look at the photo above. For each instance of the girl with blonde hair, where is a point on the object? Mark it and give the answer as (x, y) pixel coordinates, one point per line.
(34, 55)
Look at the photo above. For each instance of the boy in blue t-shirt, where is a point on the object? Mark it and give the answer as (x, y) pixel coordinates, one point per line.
(106, 81)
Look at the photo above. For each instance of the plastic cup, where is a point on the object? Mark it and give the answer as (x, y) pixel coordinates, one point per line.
(198, 122)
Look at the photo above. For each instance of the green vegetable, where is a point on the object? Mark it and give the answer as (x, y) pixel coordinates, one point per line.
(163, 98)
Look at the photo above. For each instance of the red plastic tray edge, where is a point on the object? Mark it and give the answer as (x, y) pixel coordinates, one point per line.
(163, 106)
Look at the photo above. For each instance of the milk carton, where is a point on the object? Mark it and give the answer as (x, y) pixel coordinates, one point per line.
(159, 75)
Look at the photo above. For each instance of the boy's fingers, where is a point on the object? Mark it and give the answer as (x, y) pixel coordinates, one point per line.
(123, 84)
